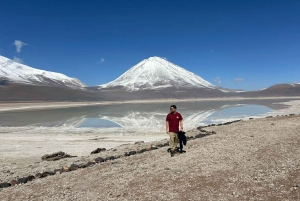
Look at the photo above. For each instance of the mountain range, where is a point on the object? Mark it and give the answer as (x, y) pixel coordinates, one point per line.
(152, 78)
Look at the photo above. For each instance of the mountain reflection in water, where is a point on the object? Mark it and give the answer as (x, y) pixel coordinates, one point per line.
(140, 116)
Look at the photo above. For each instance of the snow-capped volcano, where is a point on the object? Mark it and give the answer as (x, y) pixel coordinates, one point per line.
(157, 73)
(19, 73)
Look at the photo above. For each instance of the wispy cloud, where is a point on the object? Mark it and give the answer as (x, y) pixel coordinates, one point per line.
(101, 61)
(19, 44)
(19, 60)
(217, 80)
(239, 79)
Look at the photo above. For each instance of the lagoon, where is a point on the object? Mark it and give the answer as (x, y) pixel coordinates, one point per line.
(142, 116)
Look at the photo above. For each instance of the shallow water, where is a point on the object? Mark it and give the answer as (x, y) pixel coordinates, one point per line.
(147, 116)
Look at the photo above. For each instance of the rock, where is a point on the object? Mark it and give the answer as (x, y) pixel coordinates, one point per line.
(73, 167)
(47, 173)
(14, 182)
(4, 185)
(38, 175)
(144, 150)
(99, 160)
(109, 158)
(56, 171)
(56, 156)
(159, 145)
(65, 169)
(22, 180)
(82, 165)
(30, 178)
(200, 135)
(132, 152)
(139, 142)
(98, 150)
(90, 163)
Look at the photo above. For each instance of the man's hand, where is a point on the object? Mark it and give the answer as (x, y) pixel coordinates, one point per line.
(181, 129)
(167, 132)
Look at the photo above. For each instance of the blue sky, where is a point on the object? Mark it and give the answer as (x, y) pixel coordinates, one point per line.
(231, 43)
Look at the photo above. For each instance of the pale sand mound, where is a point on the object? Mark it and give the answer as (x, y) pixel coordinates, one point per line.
(248, 160)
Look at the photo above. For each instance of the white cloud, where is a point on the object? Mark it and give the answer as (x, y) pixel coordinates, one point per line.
(16, 59)
(218, 80)
(19, 44)
(165, 58)
(239, 79)
(101, 61)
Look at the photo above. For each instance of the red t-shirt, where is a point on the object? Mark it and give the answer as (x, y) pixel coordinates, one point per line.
(173, 120)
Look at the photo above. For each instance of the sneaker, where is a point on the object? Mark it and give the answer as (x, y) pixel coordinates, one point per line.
(182, 151)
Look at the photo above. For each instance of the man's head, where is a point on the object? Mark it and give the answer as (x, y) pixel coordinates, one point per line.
(173, 108)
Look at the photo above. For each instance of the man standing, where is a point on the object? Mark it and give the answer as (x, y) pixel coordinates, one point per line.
(173, 120)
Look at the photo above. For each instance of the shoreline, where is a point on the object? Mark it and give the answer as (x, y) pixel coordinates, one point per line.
(255, 159)
(29, 106)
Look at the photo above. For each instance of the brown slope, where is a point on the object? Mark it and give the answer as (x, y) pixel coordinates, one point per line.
(21, 92)
(277, 90)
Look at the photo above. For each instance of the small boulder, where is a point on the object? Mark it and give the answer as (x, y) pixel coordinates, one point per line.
(56, 156)
(22, 180)
(65, 169)
(73, 167)
(14, 182)
(90, 163)
(98, 150)
(5, 185)
(47, 173)
(38, 175)
(82, 165)
(99, 160)
(132, 152)
(30, 178)
(57, 171)
(109, 158)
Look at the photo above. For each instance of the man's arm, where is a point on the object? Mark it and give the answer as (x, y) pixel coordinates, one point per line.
(181, 125)
(167, 127)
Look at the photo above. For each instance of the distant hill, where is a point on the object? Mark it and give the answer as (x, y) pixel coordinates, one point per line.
(152, 78)
(24, 92)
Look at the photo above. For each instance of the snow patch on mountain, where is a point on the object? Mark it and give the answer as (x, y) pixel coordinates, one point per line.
(20, 73)
(154, 73)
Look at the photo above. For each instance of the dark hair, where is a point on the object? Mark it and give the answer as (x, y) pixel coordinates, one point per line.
(173, 106)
